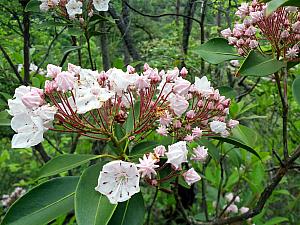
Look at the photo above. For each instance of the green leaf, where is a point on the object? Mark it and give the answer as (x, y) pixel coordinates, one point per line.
(6, 96)
(131, 212)
(143, 147)
(217, 50)
(228, 92)
(276, 221)
(259, 65)
(237, 143)
(33, 6)
(296, 90)
(63, 163)
(275, 4)
(91, 207)
(36, 82)
(245, 134)
(132, 116)
(43, 203)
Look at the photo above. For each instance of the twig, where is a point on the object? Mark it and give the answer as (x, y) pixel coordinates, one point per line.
(238, 98)
(50, 143)
(151, 206)
(48, 50)
(8, 59)
(162, 15)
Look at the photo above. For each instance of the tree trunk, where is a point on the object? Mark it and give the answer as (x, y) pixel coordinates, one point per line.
(125, 35)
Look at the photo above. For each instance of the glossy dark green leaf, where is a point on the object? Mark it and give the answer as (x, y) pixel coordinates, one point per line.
(33, 6)
(217, 50)
(131, 212)
(63, 163)
(91, 207)
(296, 90)
(260, 65)
(43, 203)
(143, 147)
(275, 4)
(237, 143)
(276, 220)
(228, 92)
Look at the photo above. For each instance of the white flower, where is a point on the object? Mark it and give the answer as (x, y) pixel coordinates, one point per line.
(200, 154)
(244, 209)
(73, 8)
(177, 154)
(147, 166)
(229, 197)
(191, 176)
(46, 113)
(203, 86)
(178, 104)
(118, 180)
(119, 81)
(101, 5)
(29, 131)
(232, 208)
(217, 126)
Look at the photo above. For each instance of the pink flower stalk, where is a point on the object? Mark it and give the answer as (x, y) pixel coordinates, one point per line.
(191, 176)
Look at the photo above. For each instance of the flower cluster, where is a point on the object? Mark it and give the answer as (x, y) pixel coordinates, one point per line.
(8, 200)
(119, 180)
(73, 8)
(91, 103)
(281, 29)
(31, 116)
(232, 207)
(96, 104)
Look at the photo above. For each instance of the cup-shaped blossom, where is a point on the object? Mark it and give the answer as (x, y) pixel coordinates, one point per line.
(74, 8)
(200, 154)
(232, 209)
(178, 104)
(191, 176)
(118, 180)
(217, 126)
(65, 81)
(101, 5)
(34, 98)
(177, 154)
(52, 70)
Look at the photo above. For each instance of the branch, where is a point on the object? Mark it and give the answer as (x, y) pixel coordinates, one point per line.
(48, 50)
(8, 59)
(238, 98)
(40, 149)
(161, 15)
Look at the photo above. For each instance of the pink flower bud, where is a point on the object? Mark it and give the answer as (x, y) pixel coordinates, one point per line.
(73, 68)
(102, 76)
(146, 67)
(200, 103)
(162, 130)
(253, 44)
(160, 150)
(226, 33)
(34, 98)
(251, 31)
(191, 176)
(50, 86)
(130, 69)
(190, 114)
(172, 74)
(232, 40)
(177, 124)
(183, 72)
(65, 81)
(53, 70)
(154, 76)
(232, 123)
(200, 154)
